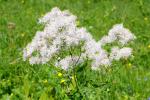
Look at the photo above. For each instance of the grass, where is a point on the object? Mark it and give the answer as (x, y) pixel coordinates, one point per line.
(124, 80)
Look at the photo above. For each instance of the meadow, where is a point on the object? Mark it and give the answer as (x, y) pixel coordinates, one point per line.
(124, 80)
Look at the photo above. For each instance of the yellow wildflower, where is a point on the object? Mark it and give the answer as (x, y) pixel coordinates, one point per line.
(62, 81)
(45, 81)
(11, 94)
(59, 74)
(72, 77)
(129, 65)
(148, 46)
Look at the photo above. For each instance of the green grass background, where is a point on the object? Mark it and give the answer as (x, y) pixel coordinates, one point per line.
(125, 80)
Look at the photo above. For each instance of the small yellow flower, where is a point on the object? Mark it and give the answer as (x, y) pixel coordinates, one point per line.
(45, 81)
(62, 81)
(145, 18)
(129, 64)
(148, 46)
(11, 94)
(59, 74)
(72, 77)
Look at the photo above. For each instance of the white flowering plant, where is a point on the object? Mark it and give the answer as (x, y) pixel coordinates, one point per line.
(61, 32)
(66, 46)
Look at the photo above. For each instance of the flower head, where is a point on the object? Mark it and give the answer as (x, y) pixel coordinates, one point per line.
(59, 74)
(61, 31)
(62, 81)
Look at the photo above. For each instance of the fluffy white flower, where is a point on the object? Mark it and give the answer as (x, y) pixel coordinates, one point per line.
(118, 32)
(61, 30)
(95, 52)
(117, 54)
(107, 39)
(59, 27)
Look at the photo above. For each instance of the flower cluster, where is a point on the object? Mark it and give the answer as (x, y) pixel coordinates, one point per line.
(61, 30)
(117, 53)
(119, 33)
